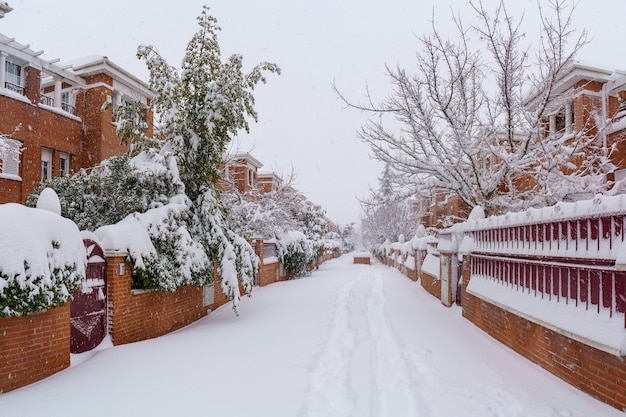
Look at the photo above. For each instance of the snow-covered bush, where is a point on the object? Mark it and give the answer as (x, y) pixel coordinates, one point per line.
(164, 254)
(115, 188)
(42, 260)
(296, 252)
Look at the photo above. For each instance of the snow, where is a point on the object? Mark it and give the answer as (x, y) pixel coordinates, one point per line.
(270, 260)
(431, 265)
(37, 248)
(49, 200)
(27, 235)
(350, 339)
(129, 235)
(599, 205)
(595, 328)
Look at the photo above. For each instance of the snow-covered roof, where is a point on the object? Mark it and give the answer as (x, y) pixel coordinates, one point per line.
(580, 71)
(99, 64)
(246, 156)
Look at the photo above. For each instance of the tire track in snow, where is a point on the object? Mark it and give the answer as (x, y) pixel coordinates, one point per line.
(329, 393)
(394, 388)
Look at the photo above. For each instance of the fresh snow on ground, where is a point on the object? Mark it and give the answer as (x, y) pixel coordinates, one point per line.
(350, 340)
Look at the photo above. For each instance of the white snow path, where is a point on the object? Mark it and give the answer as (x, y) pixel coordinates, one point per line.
(350, 340)
(394, 391)
(329, 392)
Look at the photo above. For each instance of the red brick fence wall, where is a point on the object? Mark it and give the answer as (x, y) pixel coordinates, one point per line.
(569, 256)
(36, 346)
(33, 347)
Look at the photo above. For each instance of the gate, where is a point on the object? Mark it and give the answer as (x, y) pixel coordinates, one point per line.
(88, 310)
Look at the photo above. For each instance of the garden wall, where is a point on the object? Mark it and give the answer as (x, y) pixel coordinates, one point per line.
(33, 347)
(135, 315)
(591, 370)
(548, 283)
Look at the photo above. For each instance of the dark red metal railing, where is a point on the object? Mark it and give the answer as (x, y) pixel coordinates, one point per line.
(555, 257)
(588, 286)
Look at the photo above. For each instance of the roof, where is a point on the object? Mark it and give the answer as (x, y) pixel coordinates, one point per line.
(98, 64)
(248, 158)
(24, 53)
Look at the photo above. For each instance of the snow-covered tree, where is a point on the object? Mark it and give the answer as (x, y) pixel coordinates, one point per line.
(471, 118)
(206, 105)
(167, 188)
(201, 109)
(385, 215)
(349, 237)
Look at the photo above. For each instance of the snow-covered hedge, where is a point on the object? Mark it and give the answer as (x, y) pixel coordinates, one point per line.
(296, 252)
(163, 253)
(42, 259)
(139, 205)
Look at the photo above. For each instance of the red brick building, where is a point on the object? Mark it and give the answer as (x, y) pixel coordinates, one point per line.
(587, 99)
(56, 115)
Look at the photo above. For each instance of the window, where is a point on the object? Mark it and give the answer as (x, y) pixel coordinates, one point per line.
(46, 164)
(250, 177)
(13, 73)
(64, 164)
(10, 157)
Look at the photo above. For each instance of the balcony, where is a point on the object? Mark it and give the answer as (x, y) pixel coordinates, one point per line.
(15, 88)
(48, 101)
(68, 108)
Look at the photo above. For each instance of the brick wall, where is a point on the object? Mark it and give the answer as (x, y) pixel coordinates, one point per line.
(33, 347)
(431, 284)
(40, 128)
(10, 191)
(596, 372)
(139, 315)
(269, 273)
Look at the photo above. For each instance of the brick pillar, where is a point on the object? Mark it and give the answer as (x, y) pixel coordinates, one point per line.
(33, 84)
(119, 284)
(466, 272)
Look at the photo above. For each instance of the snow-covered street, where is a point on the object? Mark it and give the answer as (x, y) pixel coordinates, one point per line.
(350, 340)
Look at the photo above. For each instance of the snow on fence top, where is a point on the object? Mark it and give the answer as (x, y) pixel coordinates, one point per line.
(599, 206)
(591, 229)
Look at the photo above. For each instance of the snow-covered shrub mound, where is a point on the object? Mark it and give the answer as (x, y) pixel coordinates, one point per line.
(49, 200)
(115, 188)
(42, 259)
(163, 253)
(296, 252)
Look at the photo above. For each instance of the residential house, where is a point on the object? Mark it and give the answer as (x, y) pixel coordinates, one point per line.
(588, 99)
(55, 120)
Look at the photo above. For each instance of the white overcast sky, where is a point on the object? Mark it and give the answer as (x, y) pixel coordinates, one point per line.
(301, 122)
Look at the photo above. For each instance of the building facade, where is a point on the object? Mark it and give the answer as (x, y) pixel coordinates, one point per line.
(55, 120)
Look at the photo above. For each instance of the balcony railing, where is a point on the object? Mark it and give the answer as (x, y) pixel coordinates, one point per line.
(15, 88)
(68, 108)
(48, 101)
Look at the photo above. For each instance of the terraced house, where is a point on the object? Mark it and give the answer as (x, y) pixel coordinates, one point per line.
(54, 119)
